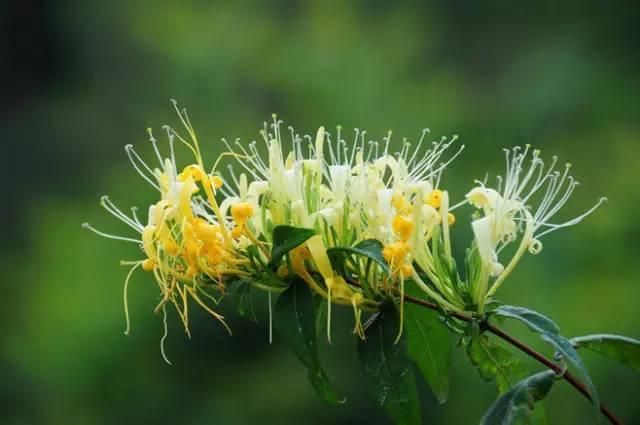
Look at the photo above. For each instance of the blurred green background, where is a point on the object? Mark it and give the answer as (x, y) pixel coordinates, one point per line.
(85, 78)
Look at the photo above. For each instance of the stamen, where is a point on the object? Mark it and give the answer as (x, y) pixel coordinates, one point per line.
(133, 156)
(134, 212)
(553, 227)
(106, 203)
(109, 236)
(125, 297)
(164, 336)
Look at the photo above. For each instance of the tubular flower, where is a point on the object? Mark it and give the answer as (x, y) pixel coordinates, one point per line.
(373, 220)
(508, 212)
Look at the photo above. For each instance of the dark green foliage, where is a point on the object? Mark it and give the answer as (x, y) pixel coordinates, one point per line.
(534, 320)
(285, 238)
(429, 345)
(242, 299)
(516, 405)
(493, 362)
(370, 248)
(550, 332)
(621, 348)
(295, 320)
(388, 369)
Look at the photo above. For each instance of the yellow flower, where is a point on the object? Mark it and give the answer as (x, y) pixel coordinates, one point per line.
(241, 212)
(434, 198)
(402, 226)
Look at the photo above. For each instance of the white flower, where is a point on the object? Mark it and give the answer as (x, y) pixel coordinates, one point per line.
(507, 210)
(329, 179)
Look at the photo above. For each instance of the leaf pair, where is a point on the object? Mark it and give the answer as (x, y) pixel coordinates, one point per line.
(550, 332)
(388, 365)
(428, 340)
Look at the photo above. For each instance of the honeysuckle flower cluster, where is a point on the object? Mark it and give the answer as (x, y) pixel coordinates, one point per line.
(213, 225)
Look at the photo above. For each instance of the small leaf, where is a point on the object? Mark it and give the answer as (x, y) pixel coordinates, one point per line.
(285, 238)
(534, 320)
(494, 361)
(429, 345)
(388, 369)
(517, 404)
(369, 248)
(550, 332)
(621, 348)
(269, 278)
(294, 318)
(243, 301)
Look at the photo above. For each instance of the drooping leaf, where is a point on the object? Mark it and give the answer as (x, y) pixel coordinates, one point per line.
(285, 238)
(369, 248)
(388, 369)
(429, 345)
(550, 332)
(320, 305)
(621, 348)
(243, 301)
(494, 362)
(294, 319)
(534, 320)
(516, 405)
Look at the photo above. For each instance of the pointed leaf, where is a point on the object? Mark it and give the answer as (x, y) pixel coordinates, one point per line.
(388, 369)
(294, 318)
(550, 332)
(243, 301)
(285, 238)
(621, 348)
(534, 320)
(517, 404)
(429, 345)
(369, 248)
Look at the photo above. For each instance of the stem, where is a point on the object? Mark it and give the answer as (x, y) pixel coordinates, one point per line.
(567, 376)
(559, 370)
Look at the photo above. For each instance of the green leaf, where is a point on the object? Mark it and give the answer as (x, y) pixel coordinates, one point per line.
(243, 301)
(534, 320)
(494, 361)
(321, 310)
(550, 332)
(285, 238)
(621, 348)
(539, 414)
(517, 404)
(388, 369)
(269, 278)
(294, 318)
(429, 345)
(369, 248)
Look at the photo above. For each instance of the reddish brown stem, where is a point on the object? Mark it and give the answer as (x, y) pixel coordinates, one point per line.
(575, 382)
(567, 376)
